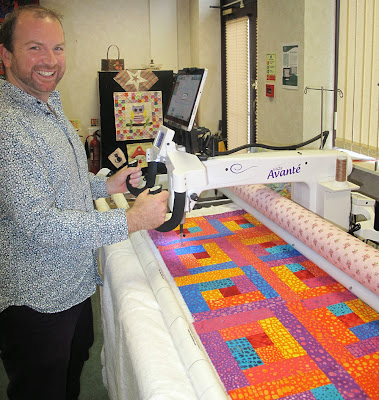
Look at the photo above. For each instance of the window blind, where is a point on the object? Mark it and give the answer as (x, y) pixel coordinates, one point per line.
(237, 82)
(358, 77)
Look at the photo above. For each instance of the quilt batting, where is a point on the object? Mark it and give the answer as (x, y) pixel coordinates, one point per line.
(274, 325)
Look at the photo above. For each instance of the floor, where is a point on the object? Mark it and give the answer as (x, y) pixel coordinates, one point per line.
(91, 380)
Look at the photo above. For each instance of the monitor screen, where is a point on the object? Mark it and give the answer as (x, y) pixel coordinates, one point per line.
(185, 98)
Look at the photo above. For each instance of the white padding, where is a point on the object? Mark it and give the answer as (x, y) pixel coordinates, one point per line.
(141, 361)
(189, 349)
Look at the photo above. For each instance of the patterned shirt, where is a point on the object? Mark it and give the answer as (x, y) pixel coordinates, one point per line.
(49, 230)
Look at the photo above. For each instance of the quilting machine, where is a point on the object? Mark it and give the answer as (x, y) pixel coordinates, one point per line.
(145, 322)
(188, 176)
(319, 185)
(144, 318)
(318, 177)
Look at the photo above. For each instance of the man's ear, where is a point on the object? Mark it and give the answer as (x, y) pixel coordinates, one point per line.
(5, 56)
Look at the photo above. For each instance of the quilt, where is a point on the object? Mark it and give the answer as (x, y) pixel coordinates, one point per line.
(274, 325)
(138, 115)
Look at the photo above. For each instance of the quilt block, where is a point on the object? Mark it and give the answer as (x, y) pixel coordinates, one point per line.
(274, 325)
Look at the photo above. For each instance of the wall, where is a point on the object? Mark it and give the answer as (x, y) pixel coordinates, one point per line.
(292, 117)
(319, 32)
(280, 118)
(187, 33)
(92, 25)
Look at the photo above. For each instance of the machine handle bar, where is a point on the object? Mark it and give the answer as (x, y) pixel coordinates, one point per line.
(177, 213)
(179, 199)
(150, 179)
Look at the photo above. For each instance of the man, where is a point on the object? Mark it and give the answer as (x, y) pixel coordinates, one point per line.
(49, 230)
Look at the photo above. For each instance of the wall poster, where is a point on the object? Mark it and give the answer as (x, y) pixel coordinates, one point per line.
(290, 66)
(270, 67)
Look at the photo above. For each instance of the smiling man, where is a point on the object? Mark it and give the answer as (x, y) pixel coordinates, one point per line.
(49, 229)
(35, 57)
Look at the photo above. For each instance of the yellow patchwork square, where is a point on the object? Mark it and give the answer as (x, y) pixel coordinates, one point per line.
(212, 295)
(208, 276)
(281, 338)
(291, 280)
(232, 226)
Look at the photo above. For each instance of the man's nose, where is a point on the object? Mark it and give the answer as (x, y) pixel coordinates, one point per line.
(50, 58)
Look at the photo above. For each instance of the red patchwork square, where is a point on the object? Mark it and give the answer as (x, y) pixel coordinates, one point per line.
(185, 231)
(304, 274)
(260, 340)
(229, 291)
(241, 221)
(351, 320)
(201, 255)
(266, 245)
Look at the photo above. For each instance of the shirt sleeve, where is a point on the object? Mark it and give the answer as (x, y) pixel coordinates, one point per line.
(28, 200)
(98, 187)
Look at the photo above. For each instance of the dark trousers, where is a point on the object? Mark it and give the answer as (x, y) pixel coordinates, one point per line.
(43, 354)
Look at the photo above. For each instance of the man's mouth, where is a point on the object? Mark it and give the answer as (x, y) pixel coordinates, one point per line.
(46, 73)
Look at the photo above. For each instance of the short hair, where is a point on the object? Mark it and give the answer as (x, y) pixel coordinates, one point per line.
(8, 26)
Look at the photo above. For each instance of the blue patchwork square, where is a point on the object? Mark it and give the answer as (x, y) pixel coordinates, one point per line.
(295, 267)
(366, 331)
(248, 225)
(189, 250)
(218, 284)
(340, 309)
(244, 353)
(280, 249)
(280, 254)
(327, 392)
(194, 229)
(194, 299)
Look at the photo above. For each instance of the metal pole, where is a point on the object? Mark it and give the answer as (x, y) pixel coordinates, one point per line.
(322, 116)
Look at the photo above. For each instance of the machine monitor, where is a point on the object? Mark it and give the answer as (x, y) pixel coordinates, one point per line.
(185, 98)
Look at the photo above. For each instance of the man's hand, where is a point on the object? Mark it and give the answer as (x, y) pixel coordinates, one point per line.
(148, 211)
(117, 182)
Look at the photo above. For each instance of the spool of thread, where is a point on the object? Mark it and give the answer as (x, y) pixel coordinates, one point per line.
(341, 169)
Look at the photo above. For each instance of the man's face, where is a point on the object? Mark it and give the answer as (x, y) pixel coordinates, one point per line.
(37, 62)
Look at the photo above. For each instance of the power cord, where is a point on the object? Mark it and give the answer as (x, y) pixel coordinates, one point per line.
(354, 228)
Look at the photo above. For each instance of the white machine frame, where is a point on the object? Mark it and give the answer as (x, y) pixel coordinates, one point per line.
(311, 172)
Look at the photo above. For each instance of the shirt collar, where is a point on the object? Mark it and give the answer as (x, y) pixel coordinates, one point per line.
(21, 97)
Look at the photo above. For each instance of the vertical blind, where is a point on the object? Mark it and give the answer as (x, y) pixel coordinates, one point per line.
(237, 82)
(358, 77)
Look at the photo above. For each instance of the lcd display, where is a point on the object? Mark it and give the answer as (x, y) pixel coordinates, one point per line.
(185, 98)
(159, 139)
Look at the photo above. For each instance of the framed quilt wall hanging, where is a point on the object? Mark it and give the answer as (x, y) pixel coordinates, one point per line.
(125, 82)
(137, 114)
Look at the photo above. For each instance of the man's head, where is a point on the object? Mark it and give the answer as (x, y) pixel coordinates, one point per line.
(32, 50)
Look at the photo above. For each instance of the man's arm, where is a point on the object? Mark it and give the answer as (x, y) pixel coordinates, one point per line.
(148, 211)
(117, 182)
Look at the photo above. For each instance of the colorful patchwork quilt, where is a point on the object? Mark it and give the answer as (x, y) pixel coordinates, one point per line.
(274, 325)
